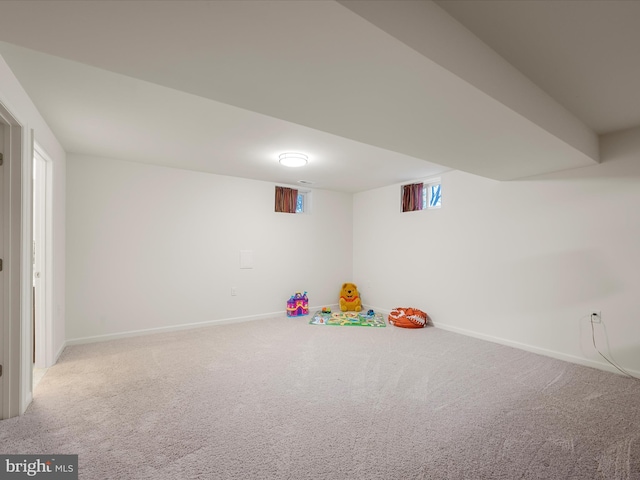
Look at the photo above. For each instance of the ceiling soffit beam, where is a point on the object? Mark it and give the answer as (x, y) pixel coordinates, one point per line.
(428, 29)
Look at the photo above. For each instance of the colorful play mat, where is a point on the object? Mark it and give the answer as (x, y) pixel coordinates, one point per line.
(348, 319)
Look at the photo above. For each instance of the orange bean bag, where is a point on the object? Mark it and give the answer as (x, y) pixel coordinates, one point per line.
(408, 318)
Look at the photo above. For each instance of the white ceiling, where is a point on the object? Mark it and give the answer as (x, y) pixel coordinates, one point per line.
(375, 92)
(584, 53)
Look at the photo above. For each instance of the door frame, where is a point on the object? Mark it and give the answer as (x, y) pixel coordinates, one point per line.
(44, 353)
(15, 324)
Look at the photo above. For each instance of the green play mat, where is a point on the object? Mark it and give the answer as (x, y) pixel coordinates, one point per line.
(348, 319)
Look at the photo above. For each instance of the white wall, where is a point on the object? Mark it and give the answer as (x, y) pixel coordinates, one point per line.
(521, 262)
(18, 102)
(153, 247)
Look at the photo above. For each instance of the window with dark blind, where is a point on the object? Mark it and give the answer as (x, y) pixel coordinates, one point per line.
(286, 199)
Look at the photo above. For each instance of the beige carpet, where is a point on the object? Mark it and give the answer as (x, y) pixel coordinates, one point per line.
(281, 399)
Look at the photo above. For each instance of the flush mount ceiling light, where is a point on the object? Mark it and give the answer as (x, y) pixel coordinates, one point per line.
(293, 159)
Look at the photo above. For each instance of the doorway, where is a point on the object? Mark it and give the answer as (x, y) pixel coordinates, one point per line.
(42, 263)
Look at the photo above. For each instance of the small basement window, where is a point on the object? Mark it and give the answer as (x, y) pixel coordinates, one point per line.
(432, 195)
(422, 196)
(303, 204)
(291, 200)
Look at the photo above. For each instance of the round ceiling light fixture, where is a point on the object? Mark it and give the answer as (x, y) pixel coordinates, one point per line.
(292, 159)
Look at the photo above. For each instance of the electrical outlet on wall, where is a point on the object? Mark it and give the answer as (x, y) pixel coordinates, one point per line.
(234, 291)
(595, 315)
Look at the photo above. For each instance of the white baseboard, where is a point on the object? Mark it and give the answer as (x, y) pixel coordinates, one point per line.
(530, 348)
(57, 356)
(174, 328)
(170, 328)
(523, 346)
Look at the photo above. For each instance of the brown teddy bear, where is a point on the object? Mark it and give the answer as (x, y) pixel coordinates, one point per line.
(350, 298)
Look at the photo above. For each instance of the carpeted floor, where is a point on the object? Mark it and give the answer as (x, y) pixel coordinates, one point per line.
(281, 399)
